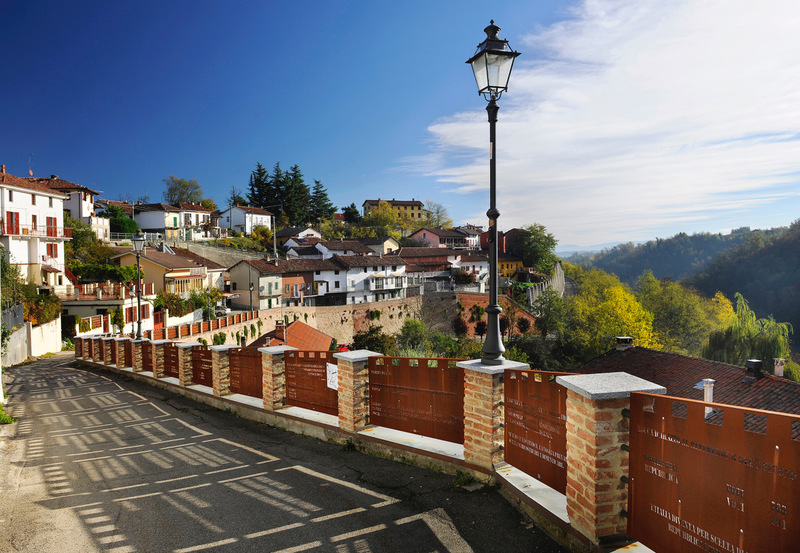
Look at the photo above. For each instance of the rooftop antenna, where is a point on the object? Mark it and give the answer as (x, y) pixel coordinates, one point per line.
(30, 164)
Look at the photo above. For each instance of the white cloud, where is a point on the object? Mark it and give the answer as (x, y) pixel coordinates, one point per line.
(637, 118)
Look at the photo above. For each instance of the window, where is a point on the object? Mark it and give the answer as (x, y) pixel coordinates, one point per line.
(34, 222)
(394, 267)
(365, 269)
(12, 221)
(336, 284)
(52, 250)
(287, 288)
(336, 272)
(316, 273)
(33, 199)
(51, 202)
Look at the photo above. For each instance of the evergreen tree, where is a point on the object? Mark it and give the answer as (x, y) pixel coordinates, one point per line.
(297, 198)
(275, 190)
(259, 187)
(321, 207)
(351, 214)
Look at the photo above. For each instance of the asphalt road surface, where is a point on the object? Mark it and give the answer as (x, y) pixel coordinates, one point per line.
(100, 462)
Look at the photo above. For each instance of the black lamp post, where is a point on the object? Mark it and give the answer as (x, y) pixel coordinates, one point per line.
(492, 64)
(138, 245)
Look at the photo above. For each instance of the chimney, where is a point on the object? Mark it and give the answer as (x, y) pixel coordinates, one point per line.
(708, 393)
(53, 177)
(280, 330)
(779, 364)
(3, 168)
(624, 342)
(753, 369)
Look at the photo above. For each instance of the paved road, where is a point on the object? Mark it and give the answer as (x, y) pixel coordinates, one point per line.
(99, 462)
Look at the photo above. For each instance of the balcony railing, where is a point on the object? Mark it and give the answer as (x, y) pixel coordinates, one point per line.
(7, 228)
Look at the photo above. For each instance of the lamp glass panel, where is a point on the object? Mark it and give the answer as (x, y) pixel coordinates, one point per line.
(499, 70)
(479, 68)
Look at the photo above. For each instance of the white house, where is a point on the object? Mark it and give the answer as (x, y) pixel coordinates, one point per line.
(32, 229)
(266, 279)
(244, 219)
(164, 219)
(79, 204)
(196, 220)
(373, 278)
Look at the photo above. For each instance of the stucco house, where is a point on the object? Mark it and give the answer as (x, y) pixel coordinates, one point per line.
(32, 229)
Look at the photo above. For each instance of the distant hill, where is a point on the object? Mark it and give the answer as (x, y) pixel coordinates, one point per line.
(765, 269)
(676, 258)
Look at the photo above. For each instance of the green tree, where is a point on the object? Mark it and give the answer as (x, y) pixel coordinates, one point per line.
(119, 221)
(749, 337)
(296, 198)
(374, 340)
(550, 312)
(412, 335)
(382, 220)
(321, 207)
(10, 281)
(182, 190)
(235, 197)
(259, 188)
(434, 215)
(536, 246)
(682, 318)
(209, 204)
(351, 214)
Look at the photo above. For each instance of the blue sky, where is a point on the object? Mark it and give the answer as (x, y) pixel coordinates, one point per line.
(625, 119)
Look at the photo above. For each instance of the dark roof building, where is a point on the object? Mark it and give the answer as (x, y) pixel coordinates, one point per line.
(680, 375)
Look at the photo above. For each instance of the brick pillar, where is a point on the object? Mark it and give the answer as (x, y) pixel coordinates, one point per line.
(78, 341)
(484, 393)
(185, 368)
(105, 343)
(273, 376)
(158, 357)
(597, 494)
(220, 370)
(120, 359)
(354, 389)
(138, 366)
(97, 343)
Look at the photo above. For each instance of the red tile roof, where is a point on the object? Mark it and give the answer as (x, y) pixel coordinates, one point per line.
(427, 252)
(680, 373)
(55, 183)
(11, 180)
(298, 335)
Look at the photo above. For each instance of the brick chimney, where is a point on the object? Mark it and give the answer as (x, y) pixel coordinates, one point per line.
(280, 330)
(3, 168)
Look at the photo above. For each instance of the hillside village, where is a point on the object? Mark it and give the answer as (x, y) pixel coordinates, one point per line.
(187, 254)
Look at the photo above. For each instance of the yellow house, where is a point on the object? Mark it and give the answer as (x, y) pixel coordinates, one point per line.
(174, 273)
(407, 209)
(508, 264)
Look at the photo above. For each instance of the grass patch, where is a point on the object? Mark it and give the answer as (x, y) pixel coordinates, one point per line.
(5, 418)
(348, 445)
(464, 479)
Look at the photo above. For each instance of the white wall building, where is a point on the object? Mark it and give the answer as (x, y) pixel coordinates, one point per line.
(79, 204)
(244, 219)
(32, 229)
(373, 278)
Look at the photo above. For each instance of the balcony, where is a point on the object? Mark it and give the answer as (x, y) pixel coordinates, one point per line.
(8, 228)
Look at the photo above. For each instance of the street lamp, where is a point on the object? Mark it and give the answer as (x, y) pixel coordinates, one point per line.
(251, 296)
(492, 64)
(138, 245)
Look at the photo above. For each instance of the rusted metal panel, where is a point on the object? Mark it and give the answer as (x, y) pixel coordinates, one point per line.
(171, 360)
(418, 395)
(148, 351)
(536, 425)
(246, 373)
(307, 383)
(723, 482)
(201, 365)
